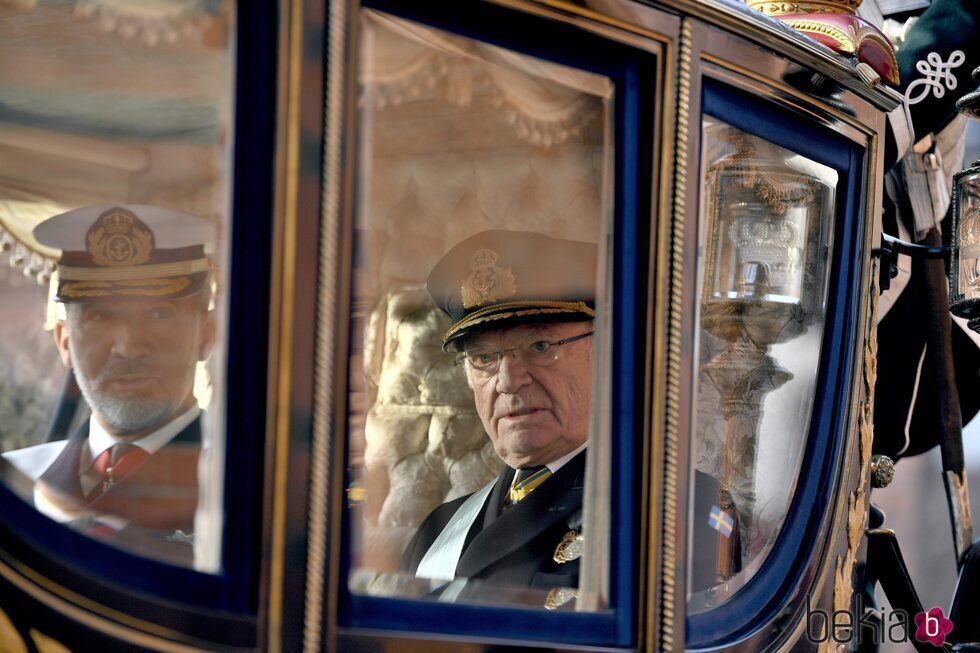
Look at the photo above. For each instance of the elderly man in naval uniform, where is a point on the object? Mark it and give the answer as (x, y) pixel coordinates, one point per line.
(135, 285)
(521, 306)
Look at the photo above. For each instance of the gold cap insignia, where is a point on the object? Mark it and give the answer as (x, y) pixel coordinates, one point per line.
(570, 548)
(119, 238)
(487, 282)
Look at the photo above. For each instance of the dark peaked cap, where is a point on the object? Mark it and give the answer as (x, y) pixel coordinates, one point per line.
(504, 278)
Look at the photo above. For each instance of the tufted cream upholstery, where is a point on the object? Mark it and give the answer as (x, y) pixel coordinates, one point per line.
(424, 443)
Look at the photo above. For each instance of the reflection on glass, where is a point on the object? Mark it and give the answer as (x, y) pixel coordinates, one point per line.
(764, 260)
(113, 204)
(482, 194)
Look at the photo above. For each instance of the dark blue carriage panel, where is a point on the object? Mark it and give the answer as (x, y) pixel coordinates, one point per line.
(636, 77)
(781, 580)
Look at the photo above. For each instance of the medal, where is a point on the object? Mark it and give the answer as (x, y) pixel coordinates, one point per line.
(570, 548)
(559, 596)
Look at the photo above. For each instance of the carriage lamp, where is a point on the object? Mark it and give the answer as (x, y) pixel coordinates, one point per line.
(964, 291)
(767, 230)
(769, 215)
(964, 274)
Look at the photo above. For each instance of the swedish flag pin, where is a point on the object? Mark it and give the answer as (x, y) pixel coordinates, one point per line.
(721, 521)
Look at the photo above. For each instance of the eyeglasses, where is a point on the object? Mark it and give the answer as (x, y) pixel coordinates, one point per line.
(539, 353)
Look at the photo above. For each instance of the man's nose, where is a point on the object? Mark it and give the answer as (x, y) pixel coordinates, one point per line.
(513, 373)
(129, 339)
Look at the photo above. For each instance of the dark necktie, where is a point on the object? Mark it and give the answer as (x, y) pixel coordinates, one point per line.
(526, 481)
(117, 461)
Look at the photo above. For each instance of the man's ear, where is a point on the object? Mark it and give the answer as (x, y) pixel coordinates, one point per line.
(209, 331)
(61, 341)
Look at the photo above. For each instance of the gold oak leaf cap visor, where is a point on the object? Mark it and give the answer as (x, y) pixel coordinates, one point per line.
(504, 278)
(129, 252)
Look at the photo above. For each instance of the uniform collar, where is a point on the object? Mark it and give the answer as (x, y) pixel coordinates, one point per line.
(558, 464)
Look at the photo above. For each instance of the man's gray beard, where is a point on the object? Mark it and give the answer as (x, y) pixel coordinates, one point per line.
(126, 415)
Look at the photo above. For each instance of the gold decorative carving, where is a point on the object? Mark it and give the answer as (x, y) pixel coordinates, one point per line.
(12, 642)
(843, 588)
(845, 39)
(778, 192)
(958, 496)
(851, 39)
(10, 639)
(857, 514)
(781, 7)
(867, 34)
(46, 644)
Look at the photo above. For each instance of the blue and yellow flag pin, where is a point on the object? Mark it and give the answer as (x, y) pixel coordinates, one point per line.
(721, 521)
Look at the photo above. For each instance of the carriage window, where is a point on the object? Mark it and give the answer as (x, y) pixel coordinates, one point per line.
(114, 184)
(765, 243)
(483, 208)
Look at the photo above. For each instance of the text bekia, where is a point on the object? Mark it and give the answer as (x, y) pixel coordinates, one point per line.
(859, 624)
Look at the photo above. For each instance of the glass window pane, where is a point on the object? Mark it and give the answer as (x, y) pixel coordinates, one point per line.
(765, 246)
(483, 190)
(115, 125)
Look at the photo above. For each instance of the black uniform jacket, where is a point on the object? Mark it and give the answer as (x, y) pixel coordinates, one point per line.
(157, 499)
(514, 547)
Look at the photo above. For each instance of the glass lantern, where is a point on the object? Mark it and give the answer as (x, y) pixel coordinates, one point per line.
(964, 283)
(766, 231)
(767, 211)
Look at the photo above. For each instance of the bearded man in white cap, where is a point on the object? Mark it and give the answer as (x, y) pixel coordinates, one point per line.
(135, 285)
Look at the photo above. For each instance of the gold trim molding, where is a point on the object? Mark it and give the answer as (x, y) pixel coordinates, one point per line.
(323, 447)
(669, 598)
